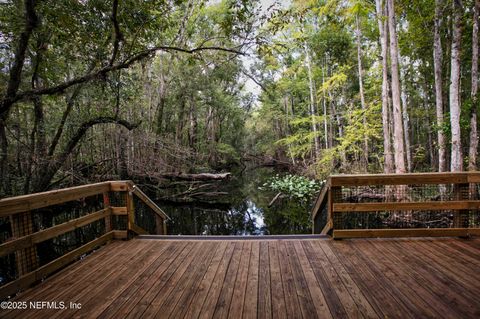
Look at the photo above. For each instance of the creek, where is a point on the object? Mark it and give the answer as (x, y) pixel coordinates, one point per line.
(244, 211)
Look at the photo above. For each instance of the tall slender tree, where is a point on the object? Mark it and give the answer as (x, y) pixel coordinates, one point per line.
(472, 153)
(437, 65)
(383, 31)
(399, 149)
(454, 91)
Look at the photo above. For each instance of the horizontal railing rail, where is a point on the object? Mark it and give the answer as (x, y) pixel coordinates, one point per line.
(400, 205)
(43, 232)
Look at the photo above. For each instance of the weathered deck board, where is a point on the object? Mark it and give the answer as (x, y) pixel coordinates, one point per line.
(291, 278)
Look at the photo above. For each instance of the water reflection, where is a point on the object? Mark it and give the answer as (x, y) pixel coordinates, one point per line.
(244, 212)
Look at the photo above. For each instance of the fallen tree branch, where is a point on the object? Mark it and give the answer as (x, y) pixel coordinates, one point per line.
(196, 177)
(274, 199)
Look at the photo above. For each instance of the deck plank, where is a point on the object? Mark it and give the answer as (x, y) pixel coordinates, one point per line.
(359, 299)
(251, 297)
(238, 299)
(372, 287)
(303, 293)
(188, 281)
(189, 291)
(274, 278)
(264, 290)
(291, 297)
(208, 308)
(154, 271)
(329, 282)
(180, 273)
(202, 291)
(278, 296)
(226, 293)
(316, 292)
(411, 277)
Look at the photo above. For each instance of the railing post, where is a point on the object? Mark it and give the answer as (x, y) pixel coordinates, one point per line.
(130, 210)
(26, 259)
(108, 219)
(160, 226)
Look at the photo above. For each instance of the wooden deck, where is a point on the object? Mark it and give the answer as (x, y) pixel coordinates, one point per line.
(292, 278)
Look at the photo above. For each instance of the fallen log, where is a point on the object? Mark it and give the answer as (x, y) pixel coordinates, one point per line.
(196, 177)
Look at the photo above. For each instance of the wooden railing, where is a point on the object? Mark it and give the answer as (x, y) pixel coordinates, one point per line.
(41, 233)
(399, 205)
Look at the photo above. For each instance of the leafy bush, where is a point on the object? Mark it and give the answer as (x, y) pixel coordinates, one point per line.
(294, 186)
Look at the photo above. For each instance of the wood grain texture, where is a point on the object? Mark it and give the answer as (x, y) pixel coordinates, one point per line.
(296, 278)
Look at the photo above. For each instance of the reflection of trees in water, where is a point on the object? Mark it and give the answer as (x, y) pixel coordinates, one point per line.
(247, 213)
(212, 221)
(288, 217)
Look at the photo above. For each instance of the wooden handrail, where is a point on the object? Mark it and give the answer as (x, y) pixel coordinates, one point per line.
(18, 204)
(405, 179)
(373, 207)
(51, 232)
(135, 190)
(321, 199)
(460, 203)
(23, 240)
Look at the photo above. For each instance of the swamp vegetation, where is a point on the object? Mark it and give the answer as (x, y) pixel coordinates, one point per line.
(202, 103)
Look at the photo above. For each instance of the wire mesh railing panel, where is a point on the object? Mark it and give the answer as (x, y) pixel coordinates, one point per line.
(393, 219)
(145, 217)
(56, 247)
(321, 219)
(17, 226)
(404, 193)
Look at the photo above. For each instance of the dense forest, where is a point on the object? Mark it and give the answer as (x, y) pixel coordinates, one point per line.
(153, 90)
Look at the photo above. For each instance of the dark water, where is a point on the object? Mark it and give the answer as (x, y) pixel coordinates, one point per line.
(244, 211)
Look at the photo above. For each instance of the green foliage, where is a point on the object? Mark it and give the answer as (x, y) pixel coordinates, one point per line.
(294, 186)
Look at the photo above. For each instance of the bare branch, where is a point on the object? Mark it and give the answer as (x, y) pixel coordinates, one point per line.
(60, 88)
(31, 21)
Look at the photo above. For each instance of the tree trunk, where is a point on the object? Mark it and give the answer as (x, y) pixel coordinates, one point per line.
(406, 119)
(192, 133)
(325, 113)
(472, 151)
(387, 146)
(313, 106)
(437, 64)
(454, 92)
(399, 149)
(360, 84)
